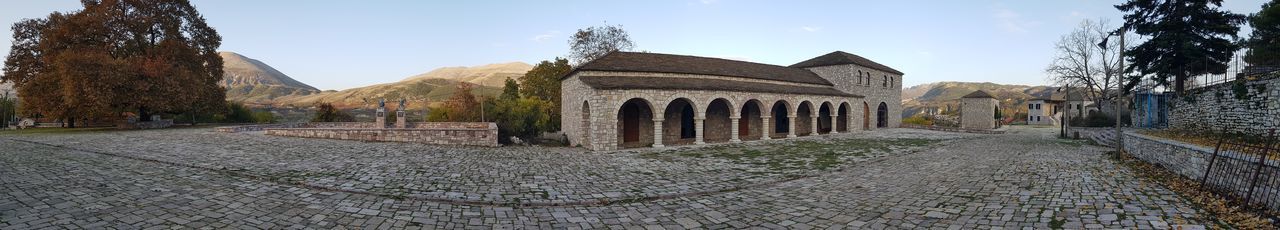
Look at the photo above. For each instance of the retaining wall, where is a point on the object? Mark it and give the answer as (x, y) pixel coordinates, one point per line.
(441, 133)
(1216, 107)
(1191, 161)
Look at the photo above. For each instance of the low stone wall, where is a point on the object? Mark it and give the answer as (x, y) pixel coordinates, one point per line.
(256, 127)
(157, 124)
(1216, 107)
(1191, 161)
(441, 133)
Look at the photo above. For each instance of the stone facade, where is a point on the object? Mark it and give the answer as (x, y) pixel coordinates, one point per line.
(1217, 108)
(441, 133)
(978, 113)
(875, 85)
(596, 125)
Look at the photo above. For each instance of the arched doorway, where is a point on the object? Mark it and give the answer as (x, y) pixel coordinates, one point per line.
(677, 123)
(824, 118)
(781, 123)
(866, 116)
(842, 118)
(749, 123)
(584, 127)
(882, 116)
(717, 127)
(635, 124)
(804, 119)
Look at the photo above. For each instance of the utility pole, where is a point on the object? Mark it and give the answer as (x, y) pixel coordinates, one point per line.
(1119, 99)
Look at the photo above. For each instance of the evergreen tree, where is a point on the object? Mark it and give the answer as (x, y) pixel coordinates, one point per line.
(1185, 38)
(1264, 42)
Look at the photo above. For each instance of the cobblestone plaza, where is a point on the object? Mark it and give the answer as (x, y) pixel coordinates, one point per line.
(895, 178)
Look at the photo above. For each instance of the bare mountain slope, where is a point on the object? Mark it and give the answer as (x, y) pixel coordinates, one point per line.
(250, 80)
(486, 75)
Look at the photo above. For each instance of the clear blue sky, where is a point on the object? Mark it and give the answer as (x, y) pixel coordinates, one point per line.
(346, 44)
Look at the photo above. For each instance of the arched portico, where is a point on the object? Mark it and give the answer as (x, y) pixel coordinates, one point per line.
(805, 119)
(679, 123)
(842, 118)
(750, 121)
(635, 124)
(718, 125)
(781, 115)
(824, 118)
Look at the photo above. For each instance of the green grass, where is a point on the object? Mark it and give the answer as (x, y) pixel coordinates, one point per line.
(37, 131)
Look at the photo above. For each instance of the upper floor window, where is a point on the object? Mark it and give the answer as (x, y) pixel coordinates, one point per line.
(1031, 106)
(885, 83)
(859, 77)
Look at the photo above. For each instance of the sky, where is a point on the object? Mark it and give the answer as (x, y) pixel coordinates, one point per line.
(347, 44)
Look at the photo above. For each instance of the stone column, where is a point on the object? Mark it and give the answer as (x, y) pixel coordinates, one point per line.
(835, 123)
(765, 128)
(657, 132)
(813, 125)
(791, 125)
(733, 130)
(697, 131)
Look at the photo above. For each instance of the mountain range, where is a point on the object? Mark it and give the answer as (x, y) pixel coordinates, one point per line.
(257, 84)
(942, 95)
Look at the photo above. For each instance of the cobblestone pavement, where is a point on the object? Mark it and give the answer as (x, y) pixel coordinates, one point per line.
(1017, 180)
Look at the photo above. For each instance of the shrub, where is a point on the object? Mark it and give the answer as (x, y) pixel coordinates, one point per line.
(325, 112)
(918, 120)
(264, 117)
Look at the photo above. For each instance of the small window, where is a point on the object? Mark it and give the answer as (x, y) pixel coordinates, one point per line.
(1031, 106)
(885, 83)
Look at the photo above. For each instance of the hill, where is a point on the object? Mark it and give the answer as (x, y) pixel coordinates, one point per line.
(941, 95)
(487, 75)
(432, 87)
(250, 80)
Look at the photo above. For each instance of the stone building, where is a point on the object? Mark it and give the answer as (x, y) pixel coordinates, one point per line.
(628, 99)
(978, 111)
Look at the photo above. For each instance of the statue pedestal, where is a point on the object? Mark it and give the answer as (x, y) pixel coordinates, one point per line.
(380, 119)
(400, 119)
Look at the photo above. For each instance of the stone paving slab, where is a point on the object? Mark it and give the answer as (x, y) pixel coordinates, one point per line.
(1023, 179)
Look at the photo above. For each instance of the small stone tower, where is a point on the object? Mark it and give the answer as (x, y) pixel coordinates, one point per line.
(978, 111)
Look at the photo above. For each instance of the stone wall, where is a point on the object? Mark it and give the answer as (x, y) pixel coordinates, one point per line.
(442, 133)
(876, 89)
(256, 127)
(1191, 161)
(1216, 108)
(156, 124)
(596, 126)
(978, 113)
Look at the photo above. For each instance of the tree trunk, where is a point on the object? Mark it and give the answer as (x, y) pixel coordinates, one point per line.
(1179, 83)
(71, 122)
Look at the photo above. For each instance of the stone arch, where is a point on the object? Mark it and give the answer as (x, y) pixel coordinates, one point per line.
(866, 116)
(716, 126)
(750, 125)
(824, 118)
(882, 115)
(842, 117)
(677, 122)
(780, 126)
(584, 126)
(804, 118)
(635, 123)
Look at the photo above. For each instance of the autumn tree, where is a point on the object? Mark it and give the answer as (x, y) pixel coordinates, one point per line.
(116, 56)
(596, 41)
(1264, 41)
(462, 106)
(1184, 38)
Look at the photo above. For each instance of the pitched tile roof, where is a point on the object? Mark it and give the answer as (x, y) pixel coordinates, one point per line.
(683, 64)
(841, 58)
(672, 83)
(978, 94)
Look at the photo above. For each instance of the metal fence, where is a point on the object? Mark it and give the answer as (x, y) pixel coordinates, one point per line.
(1246, 172)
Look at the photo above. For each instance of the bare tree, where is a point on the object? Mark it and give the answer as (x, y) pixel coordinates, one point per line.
(594, 42)
(1080, 60)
